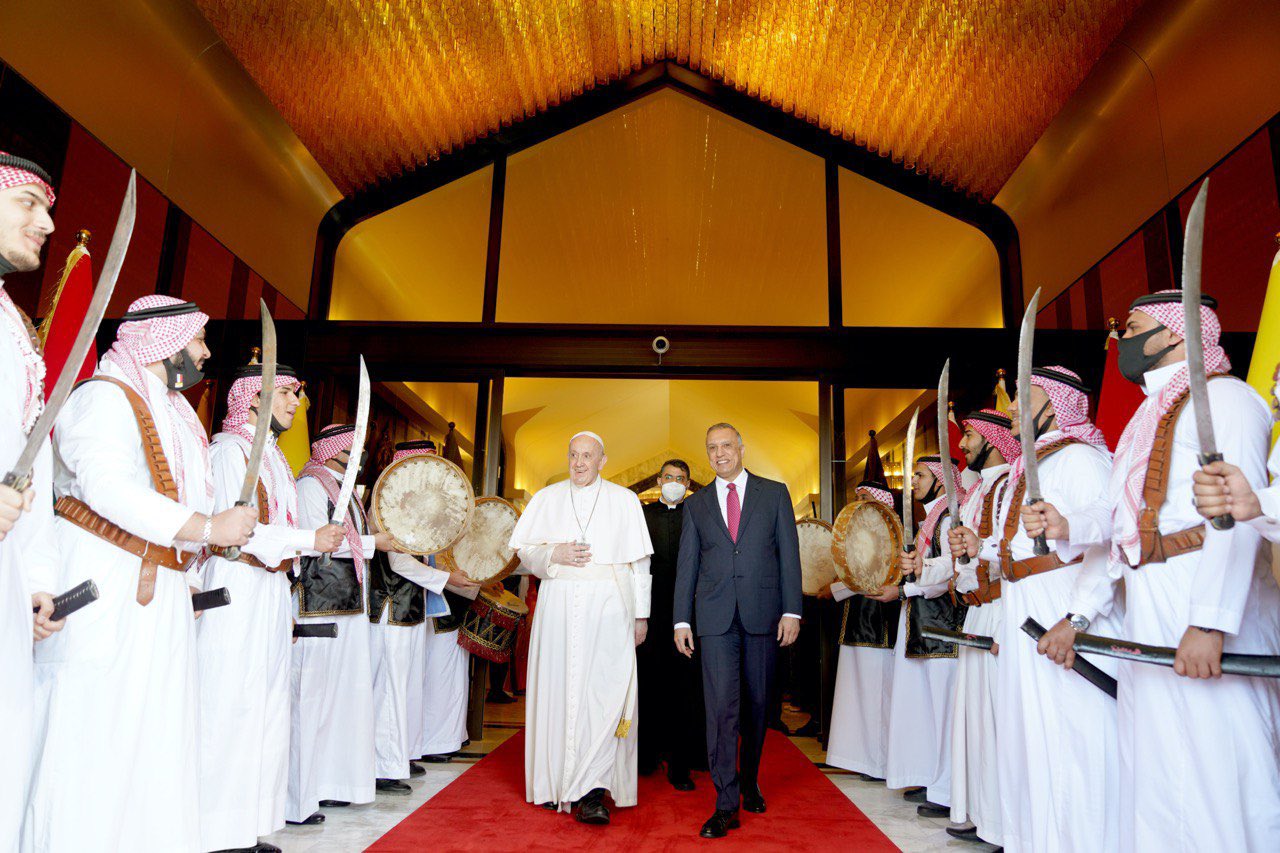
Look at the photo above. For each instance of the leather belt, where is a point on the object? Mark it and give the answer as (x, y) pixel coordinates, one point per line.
(987, 591)
(151, 554)
(1016, 570)
(1157, 547)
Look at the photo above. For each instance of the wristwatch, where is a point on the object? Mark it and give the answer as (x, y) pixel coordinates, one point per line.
(1078, 622)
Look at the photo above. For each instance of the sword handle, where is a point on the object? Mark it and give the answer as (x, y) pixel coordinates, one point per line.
(963, 559)
(1040, 546)
(1221, 522)
(16, 481)
(233, 552)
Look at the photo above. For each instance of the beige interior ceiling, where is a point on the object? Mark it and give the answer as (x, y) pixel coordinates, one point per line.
(903, 263)
(672, 211)
(430, 258)
(1183, 83)
(644, 421)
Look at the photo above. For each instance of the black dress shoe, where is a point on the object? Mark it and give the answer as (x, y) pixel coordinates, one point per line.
(264, 847)
(914, 795)
(551, 807)
(933, 810)
(753, 801)
(967, 834)
(393, 786)
(467, 742)
(308, 821)
(436, 759)
(592, 810)
(866, 777)
(682, 783)
(809, 729)
(415, 770)
(333, 804)
(719, 824)
(500, 698)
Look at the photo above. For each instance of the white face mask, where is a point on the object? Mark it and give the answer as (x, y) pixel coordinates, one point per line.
(672, 491)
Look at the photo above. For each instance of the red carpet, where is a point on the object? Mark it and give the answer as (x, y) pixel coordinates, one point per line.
(484, 809)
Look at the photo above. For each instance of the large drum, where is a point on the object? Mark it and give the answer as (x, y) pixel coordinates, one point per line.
(866, 543)
(817, 567)
(424, 503)
(489, 628)
(482, 553)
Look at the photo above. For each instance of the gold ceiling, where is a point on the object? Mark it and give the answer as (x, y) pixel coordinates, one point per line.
(958, 89)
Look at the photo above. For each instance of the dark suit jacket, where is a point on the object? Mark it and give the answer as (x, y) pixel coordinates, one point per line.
(759, 575)
(664, 532)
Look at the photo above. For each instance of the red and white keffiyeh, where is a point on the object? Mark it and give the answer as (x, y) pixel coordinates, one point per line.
(875, 492)
(983, 422)
(405, 449)
(15, 176)
(329, 442)
(142, 342)
(236, 422)
(1139, 435)
(32, 361)
(1070, 407)
(927, 527)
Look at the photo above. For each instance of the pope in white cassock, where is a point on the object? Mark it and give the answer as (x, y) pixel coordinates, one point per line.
(586, 539)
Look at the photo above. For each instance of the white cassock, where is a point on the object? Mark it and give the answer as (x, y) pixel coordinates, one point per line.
(919, 754)
(244, 651)
(582, 661)
(1057, 732)
(331, 752)
(446, 687)
(399, 667)
(28, 563)
(860, 712)
(116, 760)
(1198, 758)
(975, 788)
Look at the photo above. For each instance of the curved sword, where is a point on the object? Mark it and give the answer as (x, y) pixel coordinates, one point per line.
(262, 429)
(948, 478)
(1198, 380)
(909, 461)
(1026, 418)
(348, 488)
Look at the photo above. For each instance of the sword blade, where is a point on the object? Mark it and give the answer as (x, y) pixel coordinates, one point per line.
(944, 451)
(19, 476)
(265, 399)
(960, 638)
(357, 448)
(1088, 671)
(1026, 417)
(1265, 666)
(909, 461)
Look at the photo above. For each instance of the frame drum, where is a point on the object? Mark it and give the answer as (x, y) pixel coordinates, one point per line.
(482, 553)
(424, 503)
(817, 568)
(866, 542)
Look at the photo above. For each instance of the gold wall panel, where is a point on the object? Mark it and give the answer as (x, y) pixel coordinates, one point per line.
(902, 263)
(664, 212)
(153, 82)
(421, 261)
(1185, 82)
(960, 90)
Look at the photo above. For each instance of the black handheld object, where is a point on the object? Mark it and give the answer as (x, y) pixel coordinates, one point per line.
(1221, 522)
(1088, 671)
(72, 600)
(219, 597)
(316, 629)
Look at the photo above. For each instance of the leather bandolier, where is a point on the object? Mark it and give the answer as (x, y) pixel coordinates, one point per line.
(1014, 571)
(332, 590)
(1157, 547)
(388, 589)
(263, 518)
(988, 588)
(945, 611)
(81, 515)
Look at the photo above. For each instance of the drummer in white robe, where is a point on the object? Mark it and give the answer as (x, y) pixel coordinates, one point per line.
(1198, 767)
(28, 552)
(864, 674)
(587, 540)
(115, 749)
(331, 741)
(404, 599)
(244, 648)
(919, 755)
(987, 445)
(448, 680)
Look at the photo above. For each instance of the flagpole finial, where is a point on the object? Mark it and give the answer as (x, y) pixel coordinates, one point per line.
(82, 237)
(255, 355)
(1000, 373)
(951, 405)
(871, 433)
(1113, 324)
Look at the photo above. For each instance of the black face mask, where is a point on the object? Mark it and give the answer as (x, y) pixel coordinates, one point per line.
(6, 267)
(364, 458)
(277, 428)
(180, 371)
(933, 491)
(1038, 427)
(1133, 361)
(980, 460)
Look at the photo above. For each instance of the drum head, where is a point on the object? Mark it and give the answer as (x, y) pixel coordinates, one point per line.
(866, 541)
(482, 553)
(424, 503)
(817, 567)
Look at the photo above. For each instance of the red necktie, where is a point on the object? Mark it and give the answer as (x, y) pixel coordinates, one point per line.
(734, 511)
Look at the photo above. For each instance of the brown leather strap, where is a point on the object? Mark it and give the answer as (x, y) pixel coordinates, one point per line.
(161, 480)
(1155, 547)
(264, 517)
(1008, 569)
(984, 523)
(988, 590)
(151, 554)
(1021, 569)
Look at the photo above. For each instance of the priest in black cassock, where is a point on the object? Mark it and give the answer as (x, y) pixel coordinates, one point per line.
(671, 719)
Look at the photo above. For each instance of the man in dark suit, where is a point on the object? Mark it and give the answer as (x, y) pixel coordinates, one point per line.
(739, 574)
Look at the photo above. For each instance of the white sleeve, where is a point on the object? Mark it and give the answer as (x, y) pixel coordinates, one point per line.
(643, 586)
(1268, 524)
(938, 571)
(313, 513)
(839, 592)
(1095, 588)
(271, 543)
(40, 555)
(537, 559)
(413, 569)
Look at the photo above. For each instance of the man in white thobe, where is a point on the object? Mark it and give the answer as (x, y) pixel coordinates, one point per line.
(587, 540)
(115, 749)
(864, 673)
(988, 445)
(919, 754)
(331, 739)
(28, 552)
(1198, 767)
(244, 648)
(447, 667)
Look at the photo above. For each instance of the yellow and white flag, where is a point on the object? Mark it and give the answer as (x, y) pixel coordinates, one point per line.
(1266, 347)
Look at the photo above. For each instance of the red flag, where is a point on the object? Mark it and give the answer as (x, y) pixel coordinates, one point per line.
(954, 434)
(1119, 398)
(873, 471)
(64, 313)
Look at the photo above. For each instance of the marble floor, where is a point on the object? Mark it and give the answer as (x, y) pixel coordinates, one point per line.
(353, 828)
